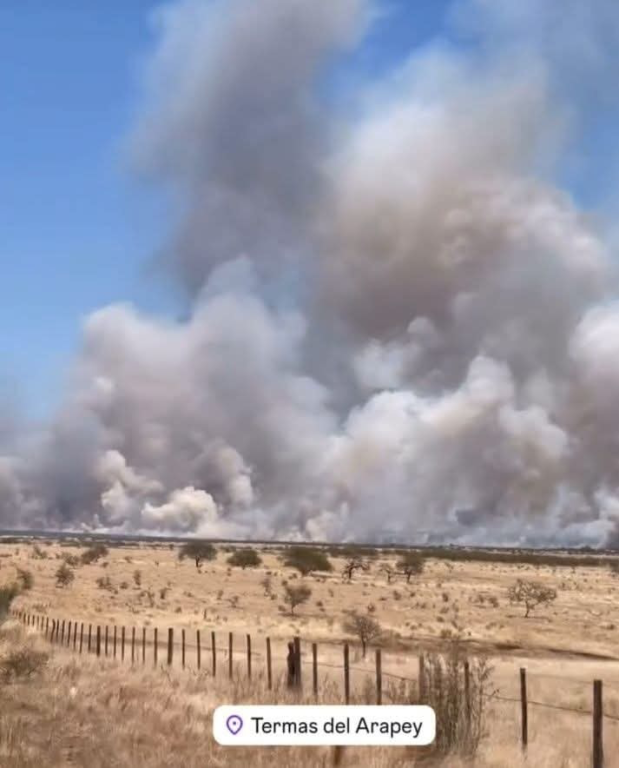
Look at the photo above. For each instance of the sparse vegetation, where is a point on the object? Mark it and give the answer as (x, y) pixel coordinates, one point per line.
(94, 553)
(307, 560)
(64, 576)
(530, 594)
(352, 565)
(296, 595)
(245, 558)
(198, 551)
(25, 579)
(410, 564)
(8, 593)
(365, 628)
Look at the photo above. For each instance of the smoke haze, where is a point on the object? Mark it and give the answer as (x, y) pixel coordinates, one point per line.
(400, 322)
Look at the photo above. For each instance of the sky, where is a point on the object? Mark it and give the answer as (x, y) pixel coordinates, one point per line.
(78, 230)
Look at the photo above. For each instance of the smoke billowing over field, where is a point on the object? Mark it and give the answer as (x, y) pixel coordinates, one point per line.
(398, 318)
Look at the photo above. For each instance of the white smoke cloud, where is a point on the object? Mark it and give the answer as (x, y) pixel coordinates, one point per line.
(399, 320)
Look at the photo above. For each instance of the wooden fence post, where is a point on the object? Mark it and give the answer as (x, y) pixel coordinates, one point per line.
(598, 714)
(467, 694)
(269, 665)
(315, 669)
(143, 645)
(346, 674)
(421, 678)
(524, 709)
(62, 633)
(81, 636)
(132, 644)
(155, 645)
(114, 642)
(69, 627)
(379, 677)
(183, 648)
(74, 636)
(214, 653)
(106, 634)
(249, 657)
(47, 627)
(98, 640)
(89, 637)
(198, 650)
(122, 643)
(170, 645)
(298, 672)
(230, 650)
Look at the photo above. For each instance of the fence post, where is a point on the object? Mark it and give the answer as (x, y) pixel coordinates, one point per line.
(249, 657)
(47, 627)
(98, 640)
(74, 636)
(421, 684)
(143, 645)
(114, 642)
(69, 627)
(315, 669)
(297, 663)
(132, 644)
(524, 709)
(198, 649)
(62, 633)
(379, 677)
(467, 693)
(170, 645)
(214, 653)
(155, 645)
(106, 634)
(269, 665)
(122, 643)
(346, 674)
(183, 648)
(230, 648)
(598, 714)
(81, 636)
(89, 637)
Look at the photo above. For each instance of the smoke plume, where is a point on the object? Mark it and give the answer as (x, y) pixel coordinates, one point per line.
(401, 323)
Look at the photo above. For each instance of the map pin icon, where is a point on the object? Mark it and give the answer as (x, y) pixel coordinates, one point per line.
(234, 724)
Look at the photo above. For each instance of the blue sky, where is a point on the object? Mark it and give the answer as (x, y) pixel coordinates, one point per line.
(76, 230)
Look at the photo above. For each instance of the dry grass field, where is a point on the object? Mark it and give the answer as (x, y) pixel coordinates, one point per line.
(88, 711)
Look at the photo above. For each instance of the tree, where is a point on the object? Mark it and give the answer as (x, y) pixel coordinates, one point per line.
(530, 594)
(245, 558)
(64, 576)
(296, 595)
(410, 564)
(197, 551)
(352, 565)
(94, 553)
(365, 628)
(307, 560)
(267, 585)
(388, 571)
(25, 579)
(8, 593)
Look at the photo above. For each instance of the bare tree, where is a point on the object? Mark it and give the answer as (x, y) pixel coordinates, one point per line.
(352, 565)
(388, 570)
(365, 628)
(410, 564)
(294, 596)
(531, 594)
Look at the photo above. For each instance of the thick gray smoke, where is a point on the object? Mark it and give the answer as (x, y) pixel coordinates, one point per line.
(400, 322)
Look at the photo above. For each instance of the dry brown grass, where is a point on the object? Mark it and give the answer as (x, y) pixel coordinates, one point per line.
(563, 647)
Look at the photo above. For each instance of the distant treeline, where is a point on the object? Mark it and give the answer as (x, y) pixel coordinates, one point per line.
(553, 558)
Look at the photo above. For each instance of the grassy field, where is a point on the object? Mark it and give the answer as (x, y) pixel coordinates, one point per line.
(564, 646)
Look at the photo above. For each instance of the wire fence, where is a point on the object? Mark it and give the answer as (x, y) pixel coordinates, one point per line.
(134, 644)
